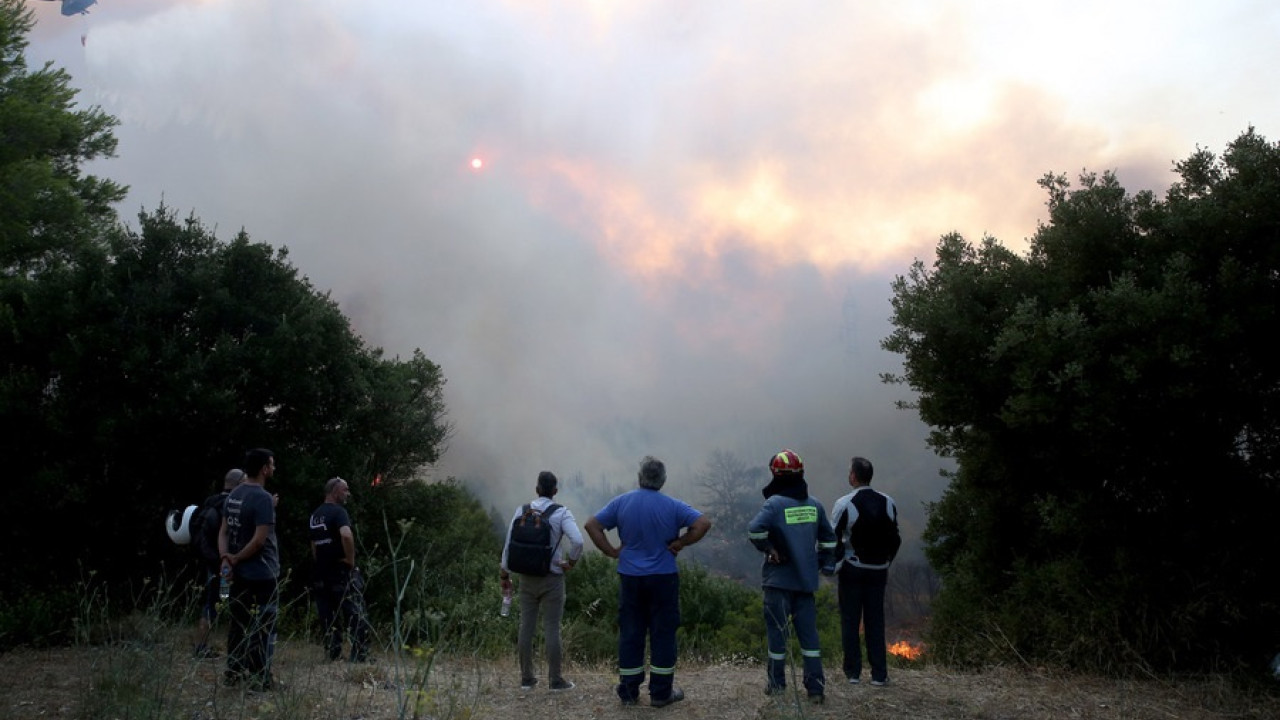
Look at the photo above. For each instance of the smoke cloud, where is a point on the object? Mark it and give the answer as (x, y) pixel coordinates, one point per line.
(688, 215)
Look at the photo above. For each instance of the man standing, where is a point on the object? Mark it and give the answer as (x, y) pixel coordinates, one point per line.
(337, 583)
(205, 540)
(543, 595)
(251, 557)
(867, 541)
(648, 525)
(793, 532)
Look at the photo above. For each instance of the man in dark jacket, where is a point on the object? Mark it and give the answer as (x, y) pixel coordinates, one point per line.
(210, 561)
(868, 540)
(793, 532)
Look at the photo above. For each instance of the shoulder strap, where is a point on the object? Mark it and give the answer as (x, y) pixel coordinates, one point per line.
(546, 514)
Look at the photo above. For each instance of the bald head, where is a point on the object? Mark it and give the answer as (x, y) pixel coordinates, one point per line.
(336, 491)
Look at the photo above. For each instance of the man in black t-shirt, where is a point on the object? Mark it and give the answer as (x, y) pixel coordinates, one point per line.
(337, 584)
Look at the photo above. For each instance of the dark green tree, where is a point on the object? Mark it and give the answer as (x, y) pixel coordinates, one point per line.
(1111, 398)
(177, 353)
(50, 207)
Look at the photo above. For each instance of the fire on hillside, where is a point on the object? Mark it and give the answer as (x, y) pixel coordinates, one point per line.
(906, 650)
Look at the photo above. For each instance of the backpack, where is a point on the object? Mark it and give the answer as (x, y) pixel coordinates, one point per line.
(529, 551)
(206, 522)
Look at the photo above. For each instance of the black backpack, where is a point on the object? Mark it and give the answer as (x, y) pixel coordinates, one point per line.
(529, 551)
(206, 522)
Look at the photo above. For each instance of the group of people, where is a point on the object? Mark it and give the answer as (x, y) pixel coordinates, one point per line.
(792, 530)
(249, 558)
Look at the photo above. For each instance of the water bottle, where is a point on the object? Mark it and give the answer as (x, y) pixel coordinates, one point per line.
(224, 583)
(506, 602)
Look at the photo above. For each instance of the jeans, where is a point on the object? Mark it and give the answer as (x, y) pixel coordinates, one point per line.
(862, 602)
(784, 609)
(251, 638)
(648, 606)
(340, 605)
(209, 594)
(541, 597)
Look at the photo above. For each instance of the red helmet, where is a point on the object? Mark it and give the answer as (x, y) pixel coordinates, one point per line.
(786, 462)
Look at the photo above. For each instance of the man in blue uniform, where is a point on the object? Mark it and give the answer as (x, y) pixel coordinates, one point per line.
(649, 525)
(793, 532)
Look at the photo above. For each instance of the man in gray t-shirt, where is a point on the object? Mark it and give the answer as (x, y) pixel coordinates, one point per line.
(250, 556)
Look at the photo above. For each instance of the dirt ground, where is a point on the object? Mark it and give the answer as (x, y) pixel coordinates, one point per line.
(158, 682)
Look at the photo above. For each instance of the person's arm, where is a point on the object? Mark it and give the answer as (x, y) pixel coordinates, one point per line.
(895, 539)
(595, 531)
(569, 529)
(758, 535)
(252, 547)
(222, 538)
(826, 544)
(348, 546)
(504, 576)
(695, 533)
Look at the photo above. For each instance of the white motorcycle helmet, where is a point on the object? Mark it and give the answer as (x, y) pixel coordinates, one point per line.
(178, 525)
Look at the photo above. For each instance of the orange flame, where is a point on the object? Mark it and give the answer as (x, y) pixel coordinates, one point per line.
(904, 649)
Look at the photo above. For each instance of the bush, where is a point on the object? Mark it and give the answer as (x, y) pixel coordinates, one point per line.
(428, 551)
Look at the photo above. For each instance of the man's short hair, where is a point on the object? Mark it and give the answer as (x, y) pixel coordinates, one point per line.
(233, 478)
(255, 460)
(653, 474)
(861, 469)
(547, 483)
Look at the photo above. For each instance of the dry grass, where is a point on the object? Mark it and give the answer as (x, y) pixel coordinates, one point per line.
(160, 681)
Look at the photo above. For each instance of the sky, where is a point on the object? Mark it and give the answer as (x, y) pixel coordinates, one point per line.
(686, 217)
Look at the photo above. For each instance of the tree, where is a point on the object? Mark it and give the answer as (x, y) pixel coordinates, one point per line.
(178, 352)
(733, 492)
(50, 207)
(1111, 400)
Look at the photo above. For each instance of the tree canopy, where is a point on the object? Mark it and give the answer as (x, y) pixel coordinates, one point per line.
(1111, 400)
(137, 364)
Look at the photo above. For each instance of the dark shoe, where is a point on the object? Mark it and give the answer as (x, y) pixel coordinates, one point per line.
(880, 683)
(676, 696)
(561, 685)
(528, 683)
(231, 678)
(627, 700)
(817, 698)
(775, 689)
(203, 652)
(265, 683)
